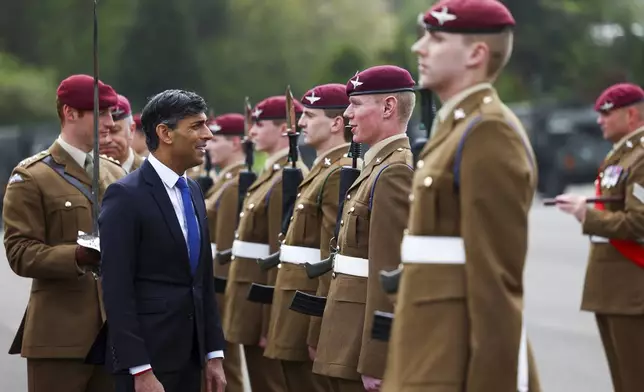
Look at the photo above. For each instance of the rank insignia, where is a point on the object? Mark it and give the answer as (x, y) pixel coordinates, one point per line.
(611, 176)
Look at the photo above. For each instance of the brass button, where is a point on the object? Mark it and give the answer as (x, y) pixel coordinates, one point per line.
(251, 206)
(241, 214)
(300, 206)
(236, 236)
(291, 219)
(232, 257)
(400, 149)
(341, 222)
(348, 197)
(68, 204)
(352, 209)
(247, 194)
(411, 197)
(299, 194)
(420, 164)
(428, 181)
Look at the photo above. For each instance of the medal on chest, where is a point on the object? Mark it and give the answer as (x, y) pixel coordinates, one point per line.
(611, 176)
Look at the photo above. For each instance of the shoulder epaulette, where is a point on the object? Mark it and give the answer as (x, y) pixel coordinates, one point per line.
(33, 159)
(107, 158)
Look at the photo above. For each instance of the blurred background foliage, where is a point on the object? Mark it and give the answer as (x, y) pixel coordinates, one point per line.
(225, 50)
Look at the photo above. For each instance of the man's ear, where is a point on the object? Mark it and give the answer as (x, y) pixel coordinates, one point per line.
(164, 134)
(389, 106)
(337, 125)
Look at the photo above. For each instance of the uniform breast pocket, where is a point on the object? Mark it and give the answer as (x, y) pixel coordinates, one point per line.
(306, 223)
(66, 216)
(358, 225)
(435, 207)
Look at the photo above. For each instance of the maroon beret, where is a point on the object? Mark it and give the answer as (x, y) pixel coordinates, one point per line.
(122, 109)
(381, 79)
(77, 91)
(229, 124)
(326, 96)
(274, 108)
(137, 121)
(469, 17)
(619, 96)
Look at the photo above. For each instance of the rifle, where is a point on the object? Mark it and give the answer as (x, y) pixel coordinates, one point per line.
(390, 279)
(246, 177)
(291, 179)
(348, 175)
(92, 241)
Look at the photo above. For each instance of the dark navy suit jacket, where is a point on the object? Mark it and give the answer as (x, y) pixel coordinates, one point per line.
(157, 310)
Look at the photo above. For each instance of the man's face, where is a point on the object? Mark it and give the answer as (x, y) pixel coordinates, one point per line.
(84, 124)
(614, 124)
(365, 117)
(316, 127)
(221, 148)
(442, 59)
(189, 140)
(117, 144)
(265, 134)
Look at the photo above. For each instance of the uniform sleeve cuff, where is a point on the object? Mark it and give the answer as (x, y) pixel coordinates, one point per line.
(135, 371)
(214, 354)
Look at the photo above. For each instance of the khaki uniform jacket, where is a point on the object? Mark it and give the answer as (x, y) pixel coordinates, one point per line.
(138, 161)
(43, 214)
(221, 208)
(373, 220)
(246, 322)
(459, 314)
(307, 240)
(614, 284)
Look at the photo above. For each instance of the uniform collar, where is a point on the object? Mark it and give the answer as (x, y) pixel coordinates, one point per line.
(167, 175)
(326, 154)
(376, 148)
(76, 153)
(626, 138)
(270, 161)
(127, 165)
(451, 103)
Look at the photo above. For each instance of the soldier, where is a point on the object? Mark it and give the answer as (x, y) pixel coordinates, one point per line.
(118, 143)
(48, 200)
(225, 150)
(309, 233)
(138, 139)
(614, 288)
(459, 322)
(246, 322)
(375, 211)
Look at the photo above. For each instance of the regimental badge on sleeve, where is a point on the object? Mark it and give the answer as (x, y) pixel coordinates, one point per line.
(15, 179)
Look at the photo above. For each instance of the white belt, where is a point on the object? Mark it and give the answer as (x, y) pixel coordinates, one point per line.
(299, 254)
(351, 266)
(250, 250)
(213, 248)
(432, 250)
(598, 240)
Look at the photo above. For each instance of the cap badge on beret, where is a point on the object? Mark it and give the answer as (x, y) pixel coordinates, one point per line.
(214, 127)
(257, 113)
(312, 98)
(118, 112)
(356, 82)
(443, 16)
(606, 106)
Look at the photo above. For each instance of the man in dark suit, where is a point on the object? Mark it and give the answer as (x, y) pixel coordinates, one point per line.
(158, 291)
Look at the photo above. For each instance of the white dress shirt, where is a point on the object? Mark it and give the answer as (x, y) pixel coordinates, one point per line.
(169, 179)
(127, 165)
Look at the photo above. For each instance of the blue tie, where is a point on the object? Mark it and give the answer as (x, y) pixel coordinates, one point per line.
(194, 243)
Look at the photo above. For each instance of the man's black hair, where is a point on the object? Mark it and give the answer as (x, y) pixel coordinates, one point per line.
(169, 107)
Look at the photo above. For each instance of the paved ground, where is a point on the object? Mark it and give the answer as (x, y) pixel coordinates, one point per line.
(565, 340)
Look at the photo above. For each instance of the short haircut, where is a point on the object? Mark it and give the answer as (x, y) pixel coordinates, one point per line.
(169, 107)
(500, 46)
(333, 113)
(406, 105)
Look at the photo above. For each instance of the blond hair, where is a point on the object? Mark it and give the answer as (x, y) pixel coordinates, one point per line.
(500, 48)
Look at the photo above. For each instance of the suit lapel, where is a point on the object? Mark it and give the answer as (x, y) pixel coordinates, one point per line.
(160, 195)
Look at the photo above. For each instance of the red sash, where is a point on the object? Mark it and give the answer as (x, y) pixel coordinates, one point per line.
(632, 250)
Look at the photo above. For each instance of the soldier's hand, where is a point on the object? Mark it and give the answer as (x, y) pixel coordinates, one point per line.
(263, 342)
(147, 382)
(371, 384)
(572, 204)
(312, 353)
(87, 257)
